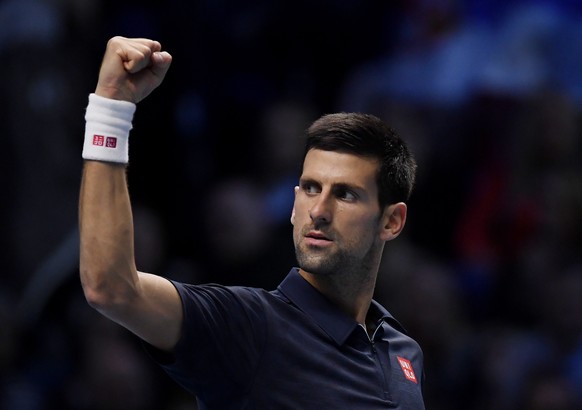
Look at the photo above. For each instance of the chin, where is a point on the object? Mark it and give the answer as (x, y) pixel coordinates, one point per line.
(316, 266)
(319, 263)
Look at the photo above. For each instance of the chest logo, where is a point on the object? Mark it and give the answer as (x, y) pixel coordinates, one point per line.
(407, 369)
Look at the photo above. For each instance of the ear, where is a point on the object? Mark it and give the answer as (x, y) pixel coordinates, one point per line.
(293, 210)
(393, 221)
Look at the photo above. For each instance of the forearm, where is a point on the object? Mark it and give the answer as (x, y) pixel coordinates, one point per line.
(107, 264)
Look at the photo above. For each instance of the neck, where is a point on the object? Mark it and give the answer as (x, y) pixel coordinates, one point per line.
(352, 293)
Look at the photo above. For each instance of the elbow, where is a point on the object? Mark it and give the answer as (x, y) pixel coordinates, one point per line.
(96, 298)
(96, 294)
(104, 294)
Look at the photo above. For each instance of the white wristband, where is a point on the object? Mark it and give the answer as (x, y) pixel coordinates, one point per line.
(107, 127)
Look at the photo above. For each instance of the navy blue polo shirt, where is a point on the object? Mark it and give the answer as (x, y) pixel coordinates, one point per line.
(248, 348)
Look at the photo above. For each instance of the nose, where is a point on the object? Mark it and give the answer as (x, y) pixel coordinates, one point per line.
(321, 211)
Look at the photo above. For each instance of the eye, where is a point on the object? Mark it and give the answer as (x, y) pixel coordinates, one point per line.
(346, 195)
(310, 187)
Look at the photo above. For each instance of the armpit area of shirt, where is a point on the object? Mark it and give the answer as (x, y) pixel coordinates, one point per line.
(162, 357)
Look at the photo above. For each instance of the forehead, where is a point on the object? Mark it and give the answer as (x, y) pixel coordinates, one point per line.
(340, 167)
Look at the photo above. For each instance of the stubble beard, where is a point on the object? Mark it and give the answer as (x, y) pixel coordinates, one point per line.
(338, 262)
(321, 262)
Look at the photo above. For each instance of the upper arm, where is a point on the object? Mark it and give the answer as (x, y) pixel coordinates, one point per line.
(154, 313)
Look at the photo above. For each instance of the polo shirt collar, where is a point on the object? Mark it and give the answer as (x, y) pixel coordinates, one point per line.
(333, 321)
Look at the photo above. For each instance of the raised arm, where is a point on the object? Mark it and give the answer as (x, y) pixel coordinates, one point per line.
(146, 304)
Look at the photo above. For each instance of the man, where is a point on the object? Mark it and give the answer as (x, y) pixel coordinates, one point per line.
(318, 340)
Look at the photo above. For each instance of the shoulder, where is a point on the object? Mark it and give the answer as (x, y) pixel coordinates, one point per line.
(215, 293)
(210, 300)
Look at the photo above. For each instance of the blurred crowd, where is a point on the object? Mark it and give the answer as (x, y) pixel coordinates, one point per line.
(488, 273)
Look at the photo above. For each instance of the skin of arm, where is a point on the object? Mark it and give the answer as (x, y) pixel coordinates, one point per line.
(146, 304)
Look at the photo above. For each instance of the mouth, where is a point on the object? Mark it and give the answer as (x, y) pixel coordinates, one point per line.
(316, 238)
(316, 235)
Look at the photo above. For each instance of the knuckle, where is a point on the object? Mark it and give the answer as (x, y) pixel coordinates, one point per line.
(114, 40)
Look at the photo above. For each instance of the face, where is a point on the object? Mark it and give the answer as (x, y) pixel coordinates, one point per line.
(337, 221)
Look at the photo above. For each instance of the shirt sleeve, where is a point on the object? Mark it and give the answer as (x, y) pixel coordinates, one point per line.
(223, 336)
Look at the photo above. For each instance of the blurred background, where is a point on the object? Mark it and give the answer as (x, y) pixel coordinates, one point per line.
(487, 276)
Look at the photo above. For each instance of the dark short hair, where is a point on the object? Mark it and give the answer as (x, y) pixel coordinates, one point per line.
(368, 136)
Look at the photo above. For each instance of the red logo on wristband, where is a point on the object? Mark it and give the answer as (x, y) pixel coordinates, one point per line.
(111, 142)
(98, 140)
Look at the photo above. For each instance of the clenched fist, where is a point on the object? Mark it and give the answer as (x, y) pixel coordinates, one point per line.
(132, 68)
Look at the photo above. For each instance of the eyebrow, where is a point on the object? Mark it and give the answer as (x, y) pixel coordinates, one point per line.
(348, 187)
(336, 185)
